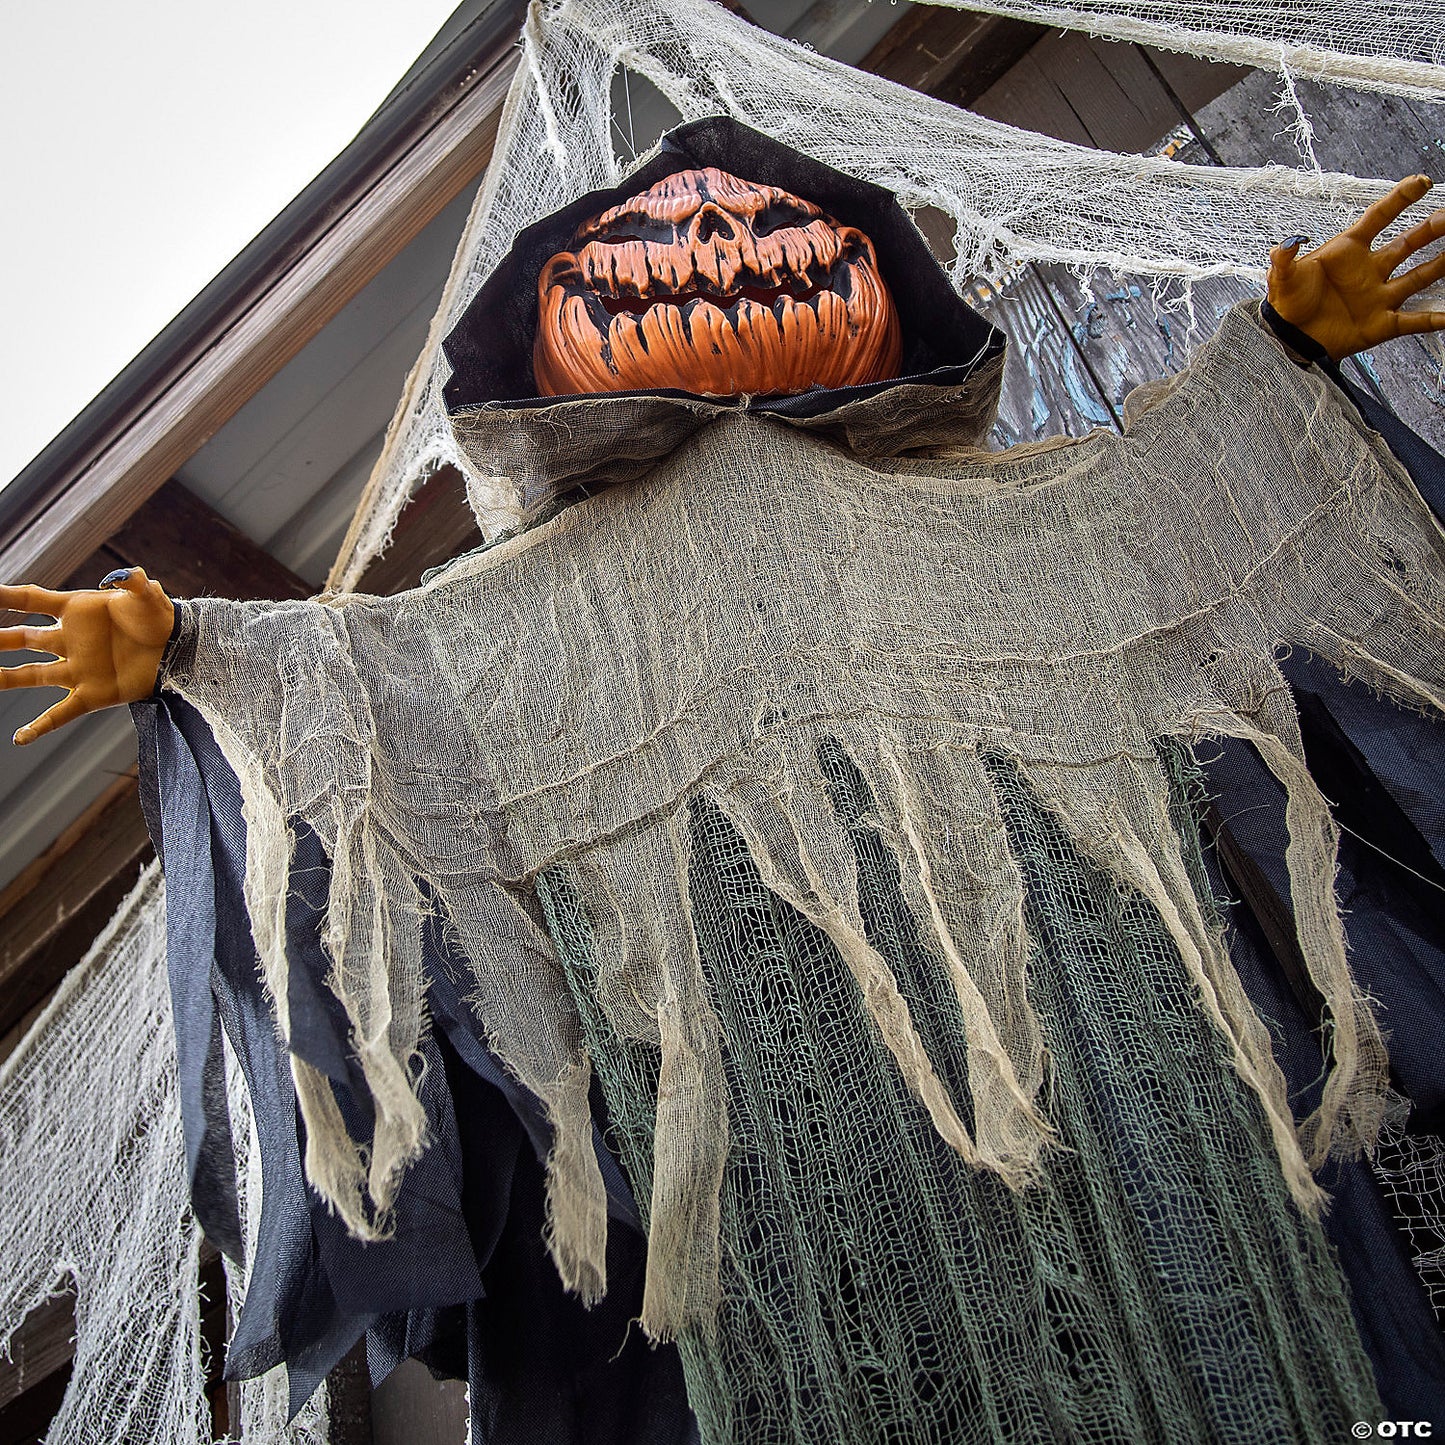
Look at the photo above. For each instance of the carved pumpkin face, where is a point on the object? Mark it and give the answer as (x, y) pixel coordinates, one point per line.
(717, 286)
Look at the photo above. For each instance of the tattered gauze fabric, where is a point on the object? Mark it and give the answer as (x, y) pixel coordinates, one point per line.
(695, 637)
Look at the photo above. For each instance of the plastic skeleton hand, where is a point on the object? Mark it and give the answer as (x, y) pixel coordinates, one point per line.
(108, 644)
(1341, 294)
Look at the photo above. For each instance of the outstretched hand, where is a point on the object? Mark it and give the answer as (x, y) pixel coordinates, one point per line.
(107, 642)
(1342, 294)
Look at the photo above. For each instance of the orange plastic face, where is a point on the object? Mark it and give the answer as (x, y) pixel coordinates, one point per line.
(716, 286)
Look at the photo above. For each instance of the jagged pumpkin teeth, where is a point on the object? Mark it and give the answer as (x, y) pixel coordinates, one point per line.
(751, 337)
(832, 322)
(797, 252)
(798, 335)
(650, 337)
(624, 267)
(667, 340)
(725, 338)
(625, 339)
(683, 319)
(575, 320)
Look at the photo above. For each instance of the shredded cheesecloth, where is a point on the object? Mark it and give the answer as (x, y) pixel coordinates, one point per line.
(94, 1198)
(1410, 1169)
(1371, 44)
(928, 1301)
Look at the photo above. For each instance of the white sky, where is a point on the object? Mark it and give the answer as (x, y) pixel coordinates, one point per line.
(142, 144)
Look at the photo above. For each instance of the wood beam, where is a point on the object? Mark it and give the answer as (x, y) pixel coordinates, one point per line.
(92, 501)
(27, 1419)
(42, 1351)
(188, 546)
(435, 526)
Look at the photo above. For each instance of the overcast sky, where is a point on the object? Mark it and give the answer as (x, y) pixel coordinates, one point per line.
(144, 143)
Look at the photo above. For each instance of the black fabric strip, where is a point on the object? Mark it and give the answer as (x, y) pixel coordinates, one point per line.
(1300, 342)
(178, 620)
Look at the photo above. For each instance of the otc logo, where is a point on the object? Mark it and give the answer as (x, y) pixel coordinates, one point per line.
(1392, 1430)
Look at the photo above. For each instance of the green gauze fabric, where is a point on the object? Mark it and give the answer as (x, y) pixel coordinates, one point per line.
(1161, 1285)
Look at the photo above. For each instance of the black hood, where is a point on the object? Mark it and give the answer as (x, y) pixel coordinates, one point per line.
(541, 444)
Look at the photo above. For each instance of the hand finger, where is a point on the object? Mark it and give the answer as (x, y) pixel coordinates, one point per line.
(42, 639)
(35, 674)
(1415, 323)
(1416, 279)
(32, 599)
(1281, 258)
(66, 710)
(1387, 208)
(1415, 239)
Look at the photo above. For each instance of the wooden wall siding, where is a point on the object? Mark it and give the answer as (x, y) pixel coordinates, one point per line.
(952, 54)
(1103, 93)
(1078, 349)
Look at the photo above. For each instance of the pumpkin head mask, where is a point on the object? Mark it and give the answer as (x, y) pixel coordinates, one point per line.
(713, 285)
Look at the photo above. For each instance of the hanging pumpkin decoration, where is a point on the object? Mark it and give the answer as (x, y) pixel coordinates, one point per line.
(713, 285)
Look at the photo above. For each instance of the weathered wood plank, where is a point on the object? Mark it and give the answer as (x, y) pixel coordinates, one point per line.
(1194, 81)
(1047, 388)
(1102, 93)
(953, 54)
(1029, 98)
(191, 549)
(43, 1345)
(10, 1039)
(1079, 350)
(26, 1419)
(411, 1408)
(1117, 98)
(349, 1400)
(224, 1400)
(1127, 334)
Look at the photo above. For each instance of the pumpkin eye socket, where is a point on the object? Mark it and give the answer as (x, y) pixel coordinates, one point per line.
(778, 216)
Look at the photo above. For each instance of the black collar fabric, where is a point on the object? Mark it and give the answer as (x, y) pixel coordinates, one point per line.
(490, 348)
